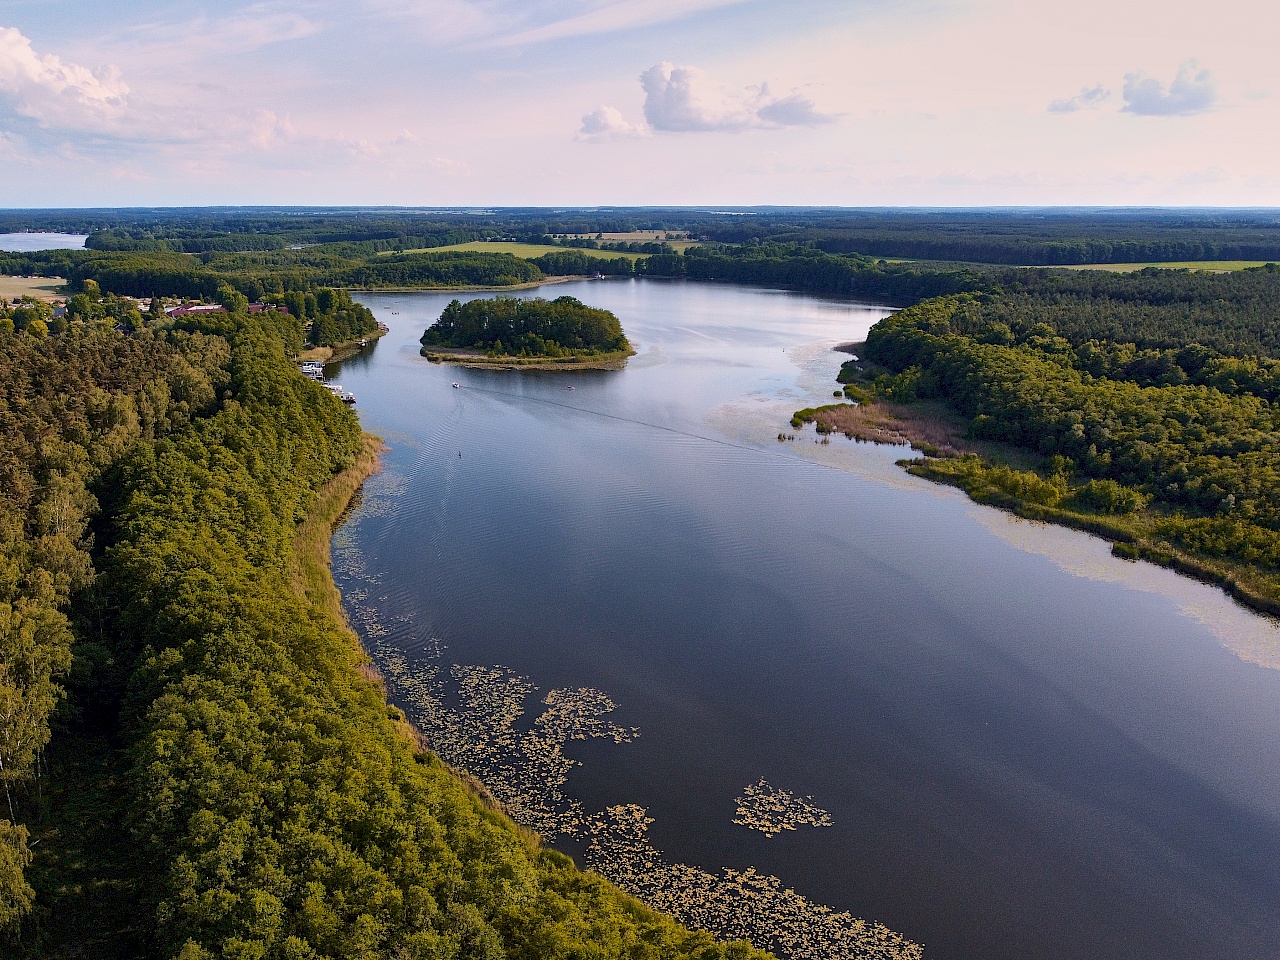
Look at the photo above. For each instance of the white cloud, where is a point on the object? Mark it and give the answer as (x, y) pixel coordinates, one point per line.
(607, 123)
(1087, 99)
(242, 31)
(686, 99)
(793, 111)
(56, 93)
(267, 130)
(511, 23)
(611, 17)
(1190, 92)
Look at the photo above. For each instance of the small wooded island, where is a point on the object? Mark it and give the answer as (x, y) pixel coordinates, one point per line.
(507, 332)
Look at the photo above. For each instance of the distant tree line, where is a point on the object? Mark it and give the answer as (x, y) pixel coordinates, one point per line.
(269, 273)
(1015, 237)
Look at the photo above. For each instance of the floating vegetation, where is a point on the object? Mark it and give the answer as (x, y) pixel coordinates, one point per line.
(525, 770)
(771, 810)
(735, 905)
(486, 721)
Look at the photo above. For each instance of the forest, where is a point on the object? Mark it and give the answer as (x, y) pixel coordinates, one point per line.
(1146, 401)
(263, 274)
(194, 763)
(1023, 237)
(506, 326)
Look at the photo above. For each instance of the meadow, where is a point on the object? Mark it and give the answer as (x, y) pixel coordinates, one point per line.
(42, 288)
(1208, 266)
(526, 251)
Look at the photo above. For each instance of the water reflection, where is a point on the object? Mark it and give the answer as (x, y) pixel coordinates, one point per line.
(1016, 759)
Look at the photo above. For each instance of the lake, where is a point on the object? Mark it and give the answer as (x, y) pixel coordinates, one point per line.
(29, 242)
(752, 678)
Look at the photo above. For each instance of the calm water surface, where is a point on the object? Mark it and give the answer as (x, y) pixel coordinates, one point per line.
(28, 242)
(1026, 748)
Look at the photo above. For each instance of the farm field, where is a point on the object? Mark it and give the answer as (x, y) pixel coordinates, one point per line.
(640, 236)
(1209, 266)
(42, 288)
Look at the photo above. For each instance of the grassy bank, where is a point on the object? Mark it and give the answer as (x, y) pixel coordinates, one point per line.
(309, 570)
(469, 288)
(1171, 453)
(1006, 477)
(1208, 266)
(339, 351)
(1134, 536)
(474, 358)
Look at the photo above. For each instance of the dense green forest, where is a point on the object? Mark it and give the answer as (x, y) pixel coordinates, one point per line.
(258, 275)
(506, 326)
(1168, 444)
(222, 780)
(73, 407)
(1030, 236)
(331, 316)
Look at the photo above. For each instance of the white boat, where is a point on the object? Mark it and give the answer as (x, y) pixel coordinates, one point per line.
(346, 396)
(456, 385)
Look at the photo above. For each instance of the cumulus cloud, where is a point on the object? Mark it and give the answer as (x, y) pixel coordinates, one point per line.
(1086, 99)
(1190, 92)
(686, 100)
(53, 92)
(792, 111)
(607, 123)
(268, 130)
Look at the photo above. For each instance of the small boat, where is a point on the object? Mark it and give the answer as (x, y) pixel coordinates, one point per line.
(456, 385)
(571, 388)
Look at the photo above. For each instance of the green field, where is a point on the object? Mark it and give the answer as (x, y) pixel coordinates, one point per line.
(641, 236)
(527, 251)
(1210, 266)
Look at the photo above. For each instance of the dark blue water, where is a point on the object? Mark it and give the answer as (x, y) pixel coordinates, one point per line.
(1027, 748)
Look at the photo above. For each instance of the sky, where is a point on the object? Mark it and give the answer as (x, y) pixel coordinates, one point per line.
(639, 102)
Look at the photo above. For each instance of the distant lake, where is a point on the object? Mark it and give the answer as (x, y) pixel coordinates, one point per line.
(29, 242)
(662, 634)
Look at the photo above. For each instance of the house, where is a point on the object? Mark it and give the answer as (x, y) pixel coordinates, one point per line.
(189, 308)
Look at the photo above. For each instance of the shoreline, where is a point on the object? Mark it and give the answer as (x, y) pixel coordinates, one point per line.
(311, 576)
(481, 361)
(341, 351)
(935, 435)
(525, 285)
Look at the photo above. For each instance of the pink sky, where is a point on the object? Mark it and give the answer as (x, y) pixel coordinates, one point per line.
(547, 102)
